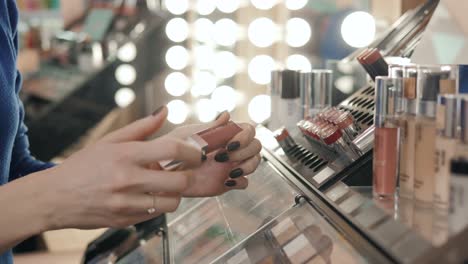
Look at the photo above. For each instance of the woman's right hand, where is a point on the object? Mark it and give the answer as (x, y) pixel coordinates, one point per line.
(109, 183)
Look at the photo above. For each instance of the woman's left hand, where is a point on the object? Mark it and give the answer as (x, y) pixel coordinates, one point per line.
(225, 169)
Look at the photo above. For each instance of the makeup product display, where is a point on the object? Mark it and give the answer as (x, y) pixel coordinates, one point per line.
(373, 63)
(207, 141)
(315, 91)
(458, 194)
(432, 80)
(385, 165)
(448, 107)
(407, 128)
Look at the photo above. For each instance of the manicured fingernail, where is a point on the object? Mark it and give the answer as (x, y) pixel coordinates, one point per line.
(230, 183)
(220, 114)
(233, 146)
(236, 173)
(222, 157)
(157, 111)
(203, 156)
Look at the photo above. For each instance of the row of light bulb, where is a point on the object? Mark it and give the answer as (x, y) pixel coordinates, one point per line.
(262, 32)
(206, 7)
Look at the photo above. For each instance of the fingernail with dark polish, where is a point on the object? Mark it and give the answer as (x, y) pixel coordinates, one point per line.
(220, 114)
(222, 157)
(233, 146)
(157, 111)
(236, 173)
(230, 183)
(203, 156)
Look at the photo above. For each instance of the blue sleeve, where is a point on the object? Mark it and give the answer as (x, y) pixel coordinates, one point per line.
(22, 163)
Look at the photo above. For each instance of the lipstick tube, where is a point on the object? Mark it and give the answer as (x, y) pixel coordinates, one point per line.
(285, 141)
(385, 163)
(332, 136)
(207, 141)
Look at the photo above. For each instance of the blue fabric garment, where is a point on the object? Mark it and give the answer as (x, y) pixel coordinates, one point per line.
(15, 158)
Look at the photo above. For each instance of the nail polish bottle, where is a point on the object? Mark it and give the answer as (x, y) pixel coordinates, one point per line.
(407, 127)
(446, 145)
(386, 144)
(315, 91)
(432, 80)
(458, 195)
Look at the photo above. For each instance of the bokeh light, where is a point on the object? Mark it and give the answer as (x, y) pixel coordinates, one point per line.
(260, 108)
(177, 29)
(124, 97)
(262, 32)
(358, 29)
(298, 62)
(224, 98)
(204, 83)
(176, 84)
(298, 32)
(177, 7)
(125, 74)
(225, 64)
(177, 57)
(206, 110)
(260, 68)
(178, 111)
(225, 32)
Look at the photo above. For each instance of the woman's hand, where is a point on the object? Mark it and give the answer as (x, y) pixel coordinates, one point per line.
(109, 183)
(227, 168)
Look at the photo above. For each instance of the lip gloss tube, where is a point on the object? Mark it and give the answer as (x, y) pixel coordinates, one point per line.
(285, 141)
(207, 141)
(385, 163)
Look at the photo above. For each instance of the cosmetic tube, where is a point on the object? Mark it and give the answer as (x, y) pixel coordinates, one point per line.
(315, 91)
(406, 123)
(385, 163)
(288, 107)
(285, 141)
(207, 141)
(458, 195)
(432, 80)
(446, 144)
(274, 89)
(462, 147)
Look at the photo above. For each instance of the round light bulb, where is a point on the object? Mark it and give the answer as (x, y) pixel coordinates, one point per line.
(203, 29)
(297, 62)
(124, 97)
(177, 111)
(295, 4)
(177, 7)
(263, 4)
(177, 57)
(224, 98)
(125, 74)
(260, 68)
(228, 6)
(206, 7)
(206, 110)
(225, 31)
(177, 29)
(262, 32)
(358, 29)
(225, 64)
(127, 53)
(298, 32)
(260, 108)
(204, 83)
(176, 84)
(204, 57)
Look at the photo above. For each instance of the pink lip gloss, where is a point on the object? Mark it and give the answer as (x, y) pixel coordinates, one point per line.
(208, 141)
(386, 144)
